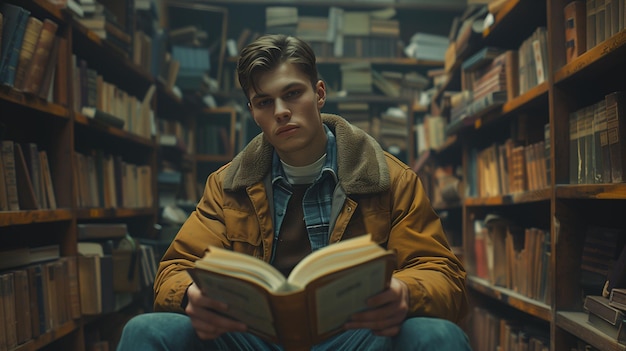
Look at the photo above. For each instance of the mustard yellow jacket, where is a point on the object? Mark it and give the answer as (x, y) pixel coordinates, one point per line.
(376, 194)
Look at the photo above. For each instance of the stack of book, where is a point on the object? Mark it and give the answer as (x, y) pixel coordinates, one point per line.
(356, 77)
(281, 20)
(425, 46)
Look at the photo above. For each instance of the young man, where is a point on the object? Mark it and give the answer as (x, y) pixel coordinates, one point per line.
(308, 180)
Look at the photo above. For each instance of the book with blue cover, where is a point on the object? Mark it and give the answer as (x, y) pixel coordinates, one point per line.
(15, 19)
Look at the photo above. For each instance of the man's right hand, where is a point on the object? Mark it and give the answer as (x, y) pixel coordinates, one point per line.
(204, 319)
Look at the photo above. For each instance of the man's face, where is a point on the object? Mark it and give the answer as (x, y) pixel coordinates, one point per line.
(287, 109)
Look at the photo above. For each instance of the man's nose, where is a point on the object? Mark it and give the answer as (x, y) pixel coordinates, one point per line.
(281, 110)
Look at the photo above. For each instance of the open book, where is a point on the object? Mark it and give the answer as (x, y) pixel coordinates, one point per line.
(319, 296)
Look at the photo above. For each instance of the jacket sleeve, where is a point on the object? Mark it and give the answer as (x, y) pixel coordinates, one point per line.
(434, 275)
(204, 227)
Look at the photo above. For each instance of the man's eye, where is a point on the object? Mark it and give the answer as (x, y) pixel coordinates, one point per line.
(264, 102)
(292, 94)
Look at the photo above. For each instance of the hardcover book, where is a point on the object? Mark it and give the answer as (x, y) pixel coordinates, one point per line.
(312, 304)
(575, 29)
(15, 19)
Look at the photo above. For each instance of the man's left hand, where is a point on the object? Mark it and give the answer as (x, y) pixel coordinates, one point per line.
(386, 312)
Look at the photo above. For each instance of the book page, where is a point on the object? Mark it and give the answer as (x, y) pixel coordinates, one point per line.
(347, 293)
(236, 263)
(246, 302)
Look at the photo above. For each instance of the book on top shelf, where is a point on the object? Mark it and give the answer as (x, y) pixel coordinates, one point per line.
(308, 306)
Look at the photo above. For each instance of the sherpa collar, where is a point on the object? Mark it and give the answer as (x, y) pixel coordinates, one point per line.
(361, 164)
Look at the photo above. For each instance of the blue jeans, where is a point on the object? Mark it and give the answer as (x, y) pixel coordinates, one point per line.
(172, 331)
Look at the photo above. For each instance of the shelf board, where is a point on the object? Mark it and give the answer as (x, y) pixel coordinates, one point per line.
(511, 298)
(120, 133)
(103, 213)
(395, 61)
(167, 94)
(110, 51)
(515, 22)
(28, 101)
(369, 98)
(507, 9)
(9, 218)
(391, 61)
(511, 199)
(430, 5)
(592, 191)
(606, 54)
(533, 97)
(48, 337)
(51, 9)
(576, 324)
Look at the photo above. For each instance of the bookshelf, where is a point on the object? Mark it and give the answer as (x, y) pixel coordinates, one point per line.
(99, 172)
(562, 207)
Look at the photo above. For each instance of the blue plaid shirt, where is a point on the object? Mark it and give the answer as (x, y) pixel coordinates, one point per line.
(317, 200)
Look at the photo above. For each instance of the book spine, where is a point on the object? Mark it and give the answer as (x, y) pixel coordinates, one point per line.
(575, 29)
(33, 28)
(8, 160)
(11, 49)
(616, 128)
(40, 57)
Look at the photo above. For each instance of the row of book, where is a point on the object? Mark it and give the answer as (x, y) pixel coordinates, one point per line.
(429, 132)
(362, 78)
(107, 181)
(493, 76)
(513, 257)
(597, 145)
(389, 127)
(28, 51)
(174, 134)
(38, 293)
(25, 178)
(341, 33)
(591, 22)
(40, 290)
(489, 331)
(106, 102)
(509, 168)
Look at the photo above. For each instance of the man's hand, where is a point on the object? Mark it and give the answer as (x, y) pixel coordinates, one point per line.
(387, 311)
(204, 319)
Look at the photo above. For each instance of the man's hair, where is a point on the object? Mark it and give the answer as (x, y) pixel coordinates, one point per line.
(270, 51)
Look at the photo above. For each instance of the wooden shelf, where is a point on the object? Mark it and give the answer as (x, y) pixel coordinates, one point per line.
(511, 199)
(167, 94)
(576, 324)
(511, 298)
(536, 96)
(119, 133)
(592, 191)
(515, 22)
(369, 98)
(49, 8)
(431, 6)
(9, 218)
(48, 337)
(35, 103)
(109, 213)
(604, 55)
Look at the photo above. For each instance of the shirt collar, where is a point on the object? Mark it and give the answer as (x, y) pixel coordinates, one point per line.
(330, 166)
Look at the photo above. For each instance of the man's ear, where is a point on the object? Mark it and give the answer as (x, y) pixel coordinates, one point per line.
(320, 91)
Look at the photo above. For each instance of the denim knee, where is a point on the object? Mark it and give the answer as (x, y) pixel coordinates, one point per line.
(156, 331)
(424, 333)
